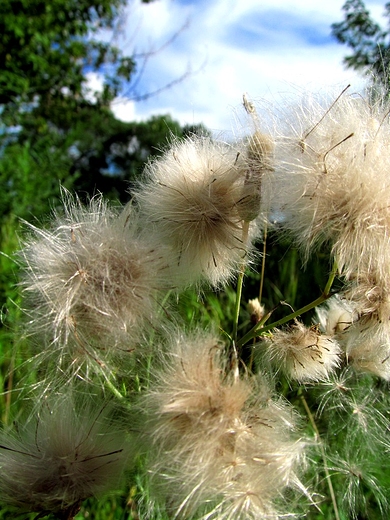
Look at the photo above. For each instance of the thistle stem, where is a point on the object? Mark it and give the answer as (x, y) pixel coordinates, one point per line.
(262, 273)
(258, 329)
(240, 280)
(261, 285)
(114, 390)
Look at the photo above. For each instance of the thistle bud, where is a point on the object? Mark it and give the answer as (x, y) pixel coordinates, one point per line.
(256, 310)
(259, 150)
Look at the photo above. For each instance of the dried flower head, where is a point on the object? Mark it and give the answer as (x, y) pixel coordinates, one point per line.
(332, 183)
(303, 353)
(260, 150)
(66, 454)
(223, 447)
(90, 281)
(362, 329)
(195, 197)
(370, 296)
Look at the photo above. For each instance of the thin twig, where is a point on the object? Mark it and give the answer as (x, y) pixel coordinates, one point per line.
(262, 273)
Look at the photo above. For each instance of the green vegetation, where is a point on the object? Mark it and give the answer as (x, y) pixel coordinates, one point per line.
(368, 41)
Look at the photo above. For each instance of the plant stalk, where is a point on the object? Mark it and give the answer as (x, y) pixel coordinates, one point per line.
(240, 280)
(258, 329)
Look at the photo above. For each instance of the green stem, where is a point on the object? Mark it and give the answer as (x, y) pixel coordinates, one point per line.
(240, 280)
(259, 329)
(262, 274)
(330, 281)
(114, 390)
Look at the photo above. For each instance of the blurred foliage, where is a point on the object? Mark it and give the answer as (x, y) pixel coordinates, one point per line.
(369, 41)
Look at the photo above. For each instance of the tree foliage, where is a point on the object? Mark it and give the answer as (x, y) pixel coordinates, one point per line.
(108, 154)
(46, 47)
(370, 43)
(49, 118)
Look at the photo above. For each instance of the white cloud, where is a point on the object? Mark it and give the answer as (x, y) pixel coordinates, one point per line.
(93, 85)
(283, 46)
(124, 109)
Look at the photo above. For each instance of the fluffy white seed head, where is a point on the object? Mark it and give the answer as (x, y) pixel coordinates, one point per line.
(90, 282)
(335, 316)
(194, 198)
(60, 458)
(303, 353)
(360, 320)
(332, 183)
(370, 296)
(367, 347)
(223, 446)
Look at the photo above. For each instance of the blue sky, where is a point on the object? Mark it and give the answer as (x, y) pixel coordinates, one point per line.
(269, 49)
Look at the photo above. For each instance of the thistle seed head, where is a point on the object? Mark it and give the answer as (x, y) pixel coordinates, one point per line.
(61, 457)
(223, 445)
(331, 184)
(303, 353)
(193, 199)
(91, 283)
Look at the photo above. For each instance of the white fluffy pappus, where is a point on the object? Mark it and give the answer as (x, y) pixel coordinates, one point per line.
(359, 320)
(302, 353)
(223, 447)
(61, 457)
(194, 198)
(369, 296)
(360, 485)
(335, 315)
(367, 347)
(354, 409)
(332, 183)
(90, 282)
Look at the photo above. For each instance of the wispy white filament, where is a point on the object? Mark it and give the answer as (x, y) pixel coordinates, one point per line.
(58, 459)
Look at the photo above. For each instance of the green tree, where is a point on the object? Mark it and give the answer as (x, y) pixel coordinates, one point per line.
(108, 155)
(46, 50)
(370, 43)
(46, 47)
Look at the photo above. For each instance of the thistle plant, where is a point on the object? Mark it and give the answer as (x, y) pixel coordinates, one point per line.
(64, 454)
(281, 412)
